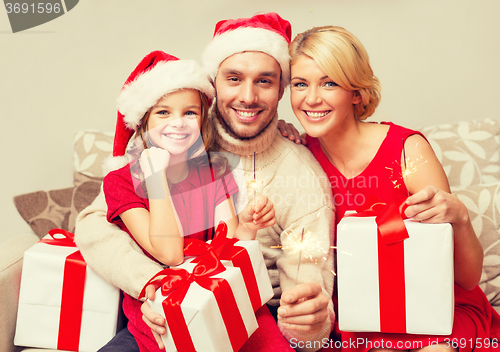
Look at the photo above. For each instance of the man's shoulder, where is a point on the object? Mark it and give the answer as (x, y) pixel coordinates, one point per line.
(292, 152)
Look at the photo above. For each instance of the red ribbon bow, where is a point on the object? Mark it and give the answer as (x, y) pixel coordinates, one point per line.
(70, 318)
(391, 232)
(175, 283)
(224, 248)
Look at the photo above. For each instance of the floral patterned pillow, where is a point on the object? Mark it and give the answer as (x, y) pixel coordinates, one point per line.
(90, 149)
(469, 151)
(483, 203)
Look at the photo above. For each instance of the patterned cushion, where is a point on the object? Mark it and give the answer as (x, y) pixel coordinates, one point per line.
(91, 148)
(483, 203)
(44, 211)
(469, 151)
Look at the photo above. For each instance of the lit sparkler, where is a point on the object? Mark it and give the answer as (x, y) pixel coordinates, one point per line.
(254, 185)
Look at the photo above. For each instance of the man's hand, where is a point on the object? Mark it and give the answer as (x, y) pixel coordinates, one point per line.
(154, 320)
(303, 308)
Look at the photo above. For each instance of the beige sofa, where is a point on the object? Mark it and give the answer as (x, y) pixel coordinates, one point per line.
(469, 152)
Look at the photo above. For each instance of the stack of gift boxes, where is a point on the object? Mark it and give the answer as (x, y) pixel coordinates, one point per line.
(209, 301)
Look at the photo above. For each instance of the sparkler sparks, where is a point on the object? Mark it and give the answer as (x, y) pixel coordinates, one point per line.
(409, 168)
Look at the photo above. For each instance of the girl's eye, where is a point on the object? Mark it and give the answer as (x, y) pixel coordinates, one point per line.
(331, 84)
(191, 113)
(162, 112)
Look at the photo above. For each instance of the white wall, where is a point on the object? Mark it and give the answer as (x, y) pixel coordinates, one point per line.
(437, 60)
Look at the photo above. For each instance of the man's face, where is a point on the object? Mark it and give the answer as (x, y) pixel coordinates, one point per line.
(248, 91)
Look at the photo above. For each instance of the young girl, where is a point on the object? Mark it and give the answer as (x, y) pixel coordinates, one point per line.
(333, 90)
(172, 188)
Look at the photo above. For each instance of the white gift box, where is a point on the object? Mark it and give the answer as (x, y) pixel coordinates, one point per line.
(254, 272)
(40, 302)
(428, 277)
(203, 316)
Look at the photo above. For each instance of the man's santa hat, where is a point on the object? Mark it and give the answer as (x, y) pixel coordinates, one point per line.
(156, 75)
(267, 33)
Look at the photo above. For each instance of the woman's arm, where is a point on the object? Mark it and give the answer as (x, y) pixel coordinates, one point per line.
(431, 202)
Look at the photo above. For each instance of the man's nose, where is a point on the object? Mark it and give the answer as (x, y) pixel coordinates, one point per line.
(248, 93)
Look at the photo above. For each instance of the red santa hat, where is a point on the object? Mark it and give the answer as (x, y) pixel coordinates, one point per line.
(267, 33)
(156, 75)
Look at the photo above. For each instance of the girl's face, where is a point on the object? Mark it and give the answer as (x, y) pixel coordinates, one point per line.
(174, 122)
(321, 106)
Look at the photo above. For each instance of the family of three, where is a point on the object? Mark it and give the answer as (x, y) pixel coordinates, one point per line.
(174, 181)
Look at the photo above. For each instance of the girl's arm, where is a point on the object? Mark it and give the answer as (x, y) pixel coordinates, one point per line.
(158, 230)
(431, 202)
(245, 225)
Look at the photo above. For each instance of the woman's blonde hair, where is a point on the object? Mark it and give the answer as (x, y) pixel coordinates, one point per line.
(342, 57)
(196, 153)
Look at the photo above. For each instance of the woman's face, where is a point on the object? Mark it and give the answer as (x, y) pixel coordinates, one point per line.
(174, 122)
(318, 102)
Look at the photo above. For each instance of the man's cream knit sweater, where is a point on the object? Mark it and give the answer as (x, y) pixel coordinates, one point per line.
(290, 176)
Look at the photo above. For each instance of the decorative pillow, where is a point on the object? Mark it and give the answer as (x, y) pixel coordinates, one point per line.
(91, 148)
(483, 203)
(469, 151)
(85, 191)
(44, 211)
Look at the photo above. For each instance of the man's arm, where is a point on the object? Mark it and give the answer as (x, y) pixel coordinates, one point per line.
(306, 312)
(111, 252)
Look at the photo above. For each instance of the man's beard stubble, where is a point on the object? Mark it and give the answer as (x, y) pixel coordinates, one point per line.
(231, 130)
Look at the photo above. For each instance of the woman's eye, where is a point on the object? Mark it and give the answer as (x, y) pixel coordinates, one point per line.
(331, 84)
(299, 85)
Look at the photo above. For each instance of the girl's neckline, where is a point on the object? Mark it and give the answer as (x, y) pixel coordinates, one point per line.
(323, 155)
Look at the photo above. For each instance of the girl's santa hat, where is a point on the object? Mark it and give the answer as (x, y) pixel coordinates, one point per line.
(267, 33)
(156, 75)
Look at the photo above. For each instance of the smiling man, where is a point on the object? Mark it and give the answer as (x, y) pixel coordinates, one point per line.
(248, 62)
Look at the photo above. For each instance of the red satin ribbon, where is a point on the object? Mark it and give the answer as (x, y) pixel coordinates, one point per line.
(391, 232)
(67, 241)
(176, 282)
(70, 317)
(224, 249)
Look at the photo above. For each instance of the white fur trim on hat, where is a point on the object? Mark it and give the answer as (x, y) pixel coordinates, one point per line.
(247, 39)
(144, 92)
(112, 163)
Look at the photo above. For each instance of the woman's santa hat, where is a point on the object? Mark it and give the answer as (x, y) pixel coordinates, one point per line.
(267, 33)
(156, 75)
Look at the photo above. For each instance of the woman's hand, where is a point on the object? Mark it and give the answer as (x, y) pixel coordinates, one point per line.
(289, 130)
(154, 159)
(432, 205)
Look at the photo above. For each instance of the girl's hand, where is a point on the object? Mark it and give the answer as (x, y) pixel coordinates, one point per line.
(289, 130)
(432, 205)
(258, 215)
(154, 159)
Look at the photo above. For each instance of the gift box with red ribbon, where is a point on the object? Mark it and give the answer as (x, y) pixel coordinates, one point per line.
(232, 252)
(205, 305)
(63, 304)
(394, 275)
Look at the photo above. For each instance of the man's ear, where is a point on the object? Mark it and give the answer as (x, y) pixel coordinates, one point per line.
(281, 92)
